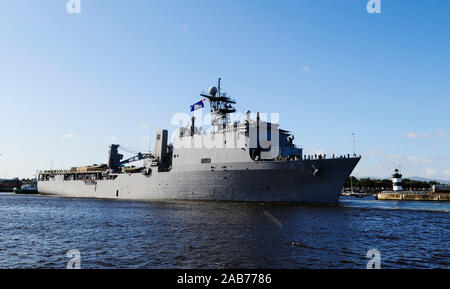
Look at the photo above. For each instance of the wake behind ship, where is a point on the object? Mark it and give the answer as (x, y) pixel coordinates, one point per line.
(250, 160)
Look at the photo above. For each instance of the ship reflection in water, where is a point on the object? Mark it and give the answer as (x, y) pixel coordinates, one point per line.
(37, 232)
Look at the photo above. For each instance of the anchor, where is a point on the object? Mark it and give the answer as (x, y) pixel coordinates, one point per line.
(314, 170)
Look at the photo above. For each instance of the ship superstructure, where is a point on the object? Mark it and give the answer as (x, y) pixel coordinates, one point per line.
(243, 160)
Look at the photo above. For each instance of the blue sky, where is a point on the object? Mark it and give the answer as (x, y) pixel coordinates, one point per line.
(70, 84)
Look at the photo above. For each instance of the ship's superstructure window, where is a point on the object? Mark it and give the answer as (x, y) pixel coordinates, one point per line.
(206, 161)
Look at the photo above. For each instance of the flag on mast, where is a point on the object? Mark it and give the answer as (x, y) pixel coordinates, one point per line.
(197, 105)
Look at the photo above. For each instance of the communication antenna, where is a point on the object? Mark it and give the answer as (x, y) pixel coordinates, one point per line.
(354, 146)
(150, 141)
(51, 162)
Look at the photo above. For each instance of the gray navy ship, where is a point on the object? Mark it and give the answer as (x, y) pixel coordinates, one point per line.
(249, 160)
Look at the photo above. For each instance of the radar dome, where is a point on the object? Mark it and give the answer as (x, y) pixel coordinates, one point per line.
(212, 91)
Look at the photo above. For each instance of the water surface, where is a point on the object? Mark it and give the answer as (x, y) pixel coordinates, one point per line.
(37, 231)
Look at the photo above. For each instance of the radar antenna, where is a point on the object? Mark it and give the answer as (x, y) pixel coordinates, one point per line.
(221, 104)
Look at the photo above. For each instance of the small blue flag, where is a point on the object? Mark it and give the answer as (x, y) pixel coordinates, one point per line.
(197, 105)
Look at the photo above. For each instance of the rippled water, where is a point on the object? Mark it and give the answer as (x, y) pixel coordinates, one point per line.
(37, 231)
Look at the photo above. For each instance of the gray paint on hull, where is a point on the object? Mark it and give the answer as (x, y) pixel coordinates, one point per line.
(246, 181)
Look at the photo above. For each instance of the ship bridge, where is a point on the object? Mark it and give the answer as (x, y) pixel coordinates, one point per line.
(249, 140)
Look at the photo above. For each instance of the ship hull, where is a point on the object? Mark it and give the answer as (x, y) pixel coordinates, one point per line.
(306, 181)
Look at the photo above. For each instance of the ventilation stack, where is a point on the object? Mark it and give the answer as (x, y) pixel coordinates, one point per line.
(114, 158)
(160, 151)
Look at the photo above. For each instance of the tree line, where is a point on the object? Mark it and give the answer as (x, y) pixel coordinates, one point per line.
(368, 183)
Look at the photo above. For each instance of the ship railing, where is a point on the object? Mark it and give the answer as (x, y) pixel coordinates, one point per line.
(332, 157)
(63, 172)
(53, 171)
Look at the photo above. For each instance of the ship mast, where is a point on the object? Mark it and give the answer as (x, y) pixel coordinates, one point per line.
(221, 105)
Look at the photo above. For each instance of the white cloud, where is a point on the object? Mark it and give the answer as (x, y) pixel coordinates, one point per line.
(430, 172)
(416, 160)
(411, 135)
(411, 160)
(306, 68)
(393, 156)
(69, 135)
(185, 28)
(112, 138)
(371, 152)
(144, 125)
(381, 164)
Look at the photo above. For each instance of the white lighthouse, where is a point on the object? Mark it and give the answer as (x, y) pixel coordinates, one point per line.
(397, 181)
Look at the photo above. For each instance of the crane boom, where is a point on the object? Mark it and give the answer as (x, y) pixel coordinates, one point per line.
(136, 158)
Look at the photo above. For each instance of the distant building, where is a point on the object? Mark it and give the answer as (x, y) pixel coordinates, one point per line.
(9, 185)
(441, 189)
